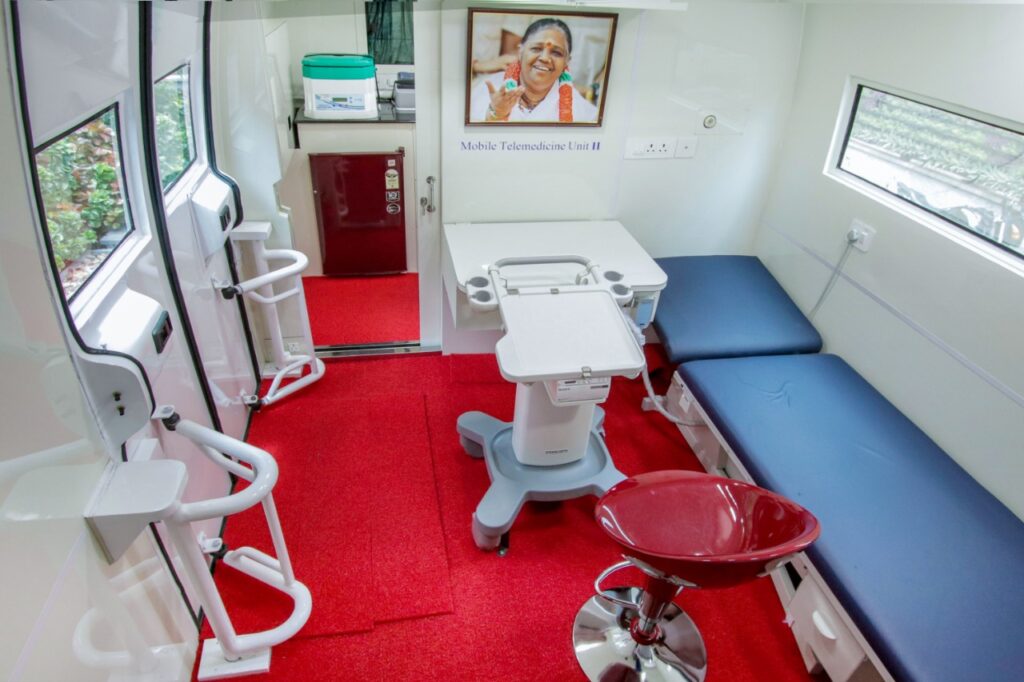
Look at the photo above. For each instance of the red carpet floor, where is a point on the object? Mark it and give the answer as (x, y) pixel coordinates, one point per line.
(376, 496)
(357, 310)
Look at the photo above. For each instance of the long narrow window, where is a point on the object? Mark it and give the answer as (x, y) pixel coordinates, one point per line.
(175, 145)
(964, 170)
(81, 181)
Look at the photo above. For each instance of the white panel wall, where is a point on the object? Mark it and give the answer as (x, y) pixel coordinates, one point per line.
(67, 614)
(495, 186)
(669, 69)
(737, 61)
(245, 114)
(935, 326)
(110, 49)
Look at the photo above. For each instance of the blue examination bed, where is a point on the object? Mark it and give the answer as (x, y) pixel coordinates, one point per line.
(925, 561)
(728, 306)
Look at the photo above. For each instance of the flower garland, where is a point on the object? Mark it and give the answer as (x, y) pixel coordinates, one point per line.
(514, 70)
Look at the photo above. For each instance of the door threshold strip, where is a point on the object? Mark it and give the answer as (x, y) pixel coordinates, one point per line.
(388, 348)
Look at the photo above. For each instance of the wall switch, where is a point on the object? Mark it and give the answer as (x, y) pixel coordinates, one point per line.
(650, 147)
(686, 147)
(865, 234)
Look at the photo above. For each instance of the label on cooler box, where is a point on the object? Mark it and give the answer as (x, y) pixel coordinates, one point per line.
(582, 390)
(339, 102)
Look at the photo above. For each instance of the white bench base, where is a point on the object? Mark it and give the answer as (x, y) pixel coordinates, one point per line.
(827, 637)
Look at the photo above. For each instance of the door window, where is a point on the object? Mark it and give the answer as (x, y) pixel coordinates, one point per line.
(175, 144)
(81, 182)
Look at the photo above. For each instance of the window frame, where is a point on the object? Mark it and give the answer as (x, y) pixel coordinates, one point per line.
(961, 234)
(132, 236)
(187, 66)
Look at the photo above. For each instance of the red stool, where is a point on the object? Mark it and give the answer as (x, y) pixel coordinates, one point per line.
(681, 529)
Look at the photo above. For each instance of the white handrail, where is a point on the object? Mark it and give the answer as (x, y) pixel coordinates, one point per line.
(299, 263)
(273, 299)
(260, 469)
(260, 290)
(263, 477)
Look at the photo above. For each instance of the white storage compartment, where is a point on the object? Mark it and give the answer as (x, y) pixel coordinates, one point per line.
(824, 638)
(701, 439)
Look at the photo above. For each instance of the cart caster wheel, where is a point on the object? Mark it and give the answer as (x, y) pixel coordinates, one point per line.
(484, 539)
(472, 448)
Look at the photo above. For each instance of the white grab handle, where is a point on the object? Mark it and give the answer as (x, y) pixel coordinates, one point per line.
(299, 262)
(263, 475)
(260, 469)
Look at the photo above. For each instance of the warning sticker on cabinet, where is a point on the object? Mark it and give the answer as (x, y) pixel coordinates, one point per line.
(391, 179)
(393, 209)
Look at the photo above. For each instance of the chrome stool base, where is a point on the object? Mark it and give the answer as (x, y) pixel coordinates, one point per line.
(607, 651)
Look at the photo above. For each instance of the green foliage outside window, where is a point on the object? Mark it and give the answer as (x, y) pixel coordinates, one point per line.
(80, 181)
(175, 145)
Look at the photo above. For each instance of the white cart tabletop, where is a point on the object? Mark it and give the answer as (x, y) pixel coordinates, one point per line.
(474, 246)
(555, 336)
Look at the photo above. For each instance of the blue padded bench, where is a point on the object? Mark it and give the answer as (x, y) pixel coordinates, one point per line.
(727, 306)
(927, 564)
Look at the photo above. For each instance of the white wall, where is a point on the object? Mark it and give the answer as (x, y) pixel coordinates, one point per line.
(669, 68)
(937, 327)
(737, 61)
(496, 186)
(734, 60)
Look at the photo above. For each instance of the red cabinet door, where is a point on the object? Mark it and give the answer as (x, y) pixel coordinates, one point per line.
(360, 211)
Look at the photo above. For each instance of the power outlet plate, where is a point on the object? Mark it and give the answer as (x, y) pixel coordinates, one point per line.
(866, 232)
(650, 147)
(294, 347)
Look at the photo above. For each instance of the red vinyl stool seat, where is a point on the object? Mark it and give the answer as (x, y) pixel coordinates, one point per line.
(681, 529)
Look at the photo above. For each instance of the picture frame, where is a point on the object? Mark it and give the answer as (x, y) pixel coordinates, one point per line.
(538, 68)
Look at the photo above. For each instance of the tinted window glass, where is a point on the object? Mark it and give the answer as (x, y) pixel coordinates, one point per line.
(967, 171)
(175, 146)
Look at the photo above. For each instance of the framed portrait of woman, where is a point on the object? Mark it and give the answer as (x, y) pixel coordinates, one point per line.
(527, 67)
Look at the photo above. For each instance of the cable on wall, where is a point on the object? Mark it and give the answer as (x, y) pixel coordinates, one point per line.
(852, 237)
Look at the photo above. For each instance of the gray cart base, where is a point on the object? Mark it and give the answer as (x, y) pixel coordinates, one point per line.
(513, 483)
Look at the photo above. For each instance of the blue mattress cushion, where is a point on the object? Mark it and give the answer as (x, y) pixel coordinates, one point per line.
(728, 306)
(926, 562)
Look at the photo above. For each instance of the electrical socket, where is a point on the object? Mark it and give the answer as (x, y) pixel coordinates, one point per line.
(650, 147)
(866, 234)
(294, 347)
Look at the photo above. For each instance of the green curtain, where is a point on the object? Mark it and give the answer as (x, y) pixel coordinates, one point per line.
(389, 31)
